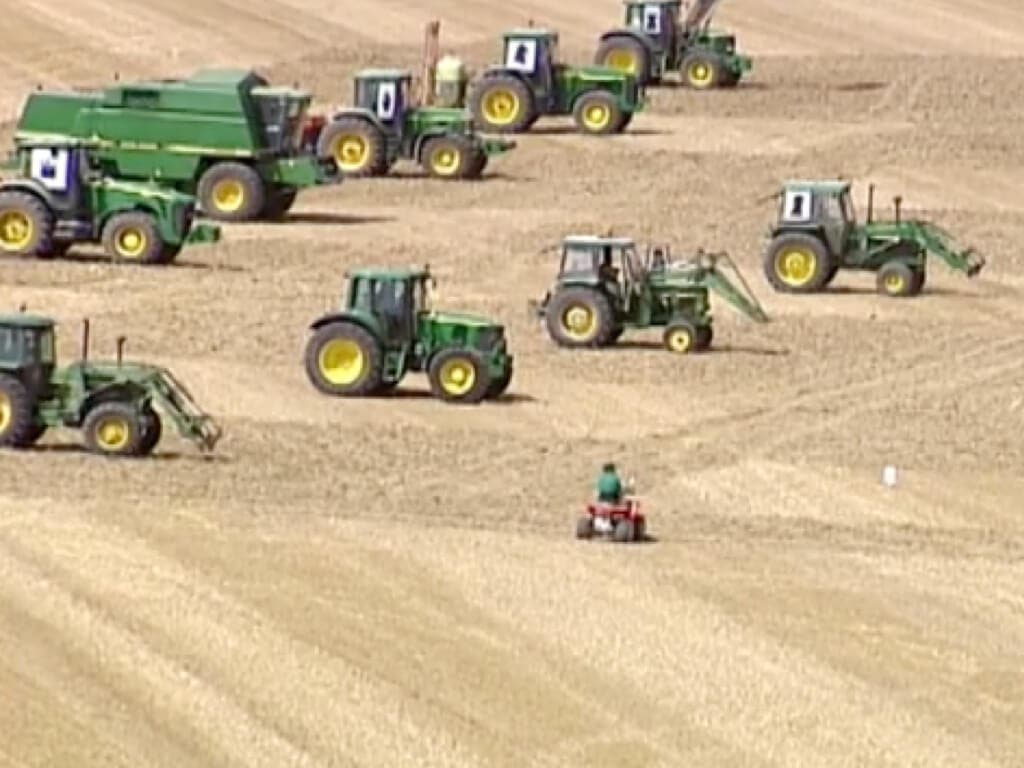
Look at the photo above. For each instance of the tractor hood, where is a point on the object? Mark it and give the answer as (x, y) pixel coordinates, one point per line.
(146, 189)
(464, 319)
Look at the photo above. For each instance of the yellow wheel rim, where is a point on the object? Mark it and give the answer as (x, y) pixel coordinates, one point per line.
(457, 376)
(501, 106)
(894, 283)
(796, 266)
(680, 340)
(342, 361)
(351, 152)
(228, 195)
(700, 74)
(621, 59)
(130, 242)
(446, 161)
(5, 412)
(15, 230)
(579, 322)
(113, 434)
(597, 116)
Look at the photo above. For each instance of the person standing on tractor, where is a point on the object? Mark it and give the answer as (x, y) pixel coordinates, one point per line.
(609, 486)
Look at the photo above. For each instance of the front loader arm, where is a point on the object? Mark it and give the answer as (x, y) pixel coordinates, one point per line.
(176, 401)
(938, 242)
(738, 294)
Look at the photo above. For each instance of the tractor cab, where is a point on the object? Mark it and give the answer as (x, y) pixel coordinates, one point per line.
(657, 21)
(62, 168)
(385, 93)
(610, 262)
(395, 299)
(27, 349)
(825, 207)
(533, 54)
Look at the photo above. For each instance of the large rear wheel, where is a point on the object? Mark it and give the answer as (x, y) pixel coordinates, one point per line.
(502, 104)
(798, 263)
(26, 225)
(626, 55)
(357, 147)
(17, 428)
(580, 317)
(346, 360)
(232, 192)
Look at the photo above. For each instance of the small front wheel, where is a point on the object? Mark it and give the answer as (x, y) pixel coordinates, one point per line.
(681, 337)
(597, 113)
(459, 376)
(133, 236)
(114, 429)
(624, 531)
(898, 280)
(585, 527)
(450, 157)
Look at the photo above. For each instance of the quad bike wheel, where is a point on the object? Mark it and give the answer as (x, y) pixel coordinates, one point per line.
(344, 359)
(585, 527)
(624, 531)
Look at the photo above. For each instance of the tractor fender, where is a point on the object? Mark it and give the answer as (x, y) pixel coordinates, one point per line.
(121, 392)
(633, 34)
(356, 113)
(367, 322)
(423, 138)
(29, 187)
(501, 71)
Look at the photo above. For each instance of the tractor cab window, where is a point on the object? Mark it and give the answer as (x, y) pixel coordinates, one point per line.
(635, 17)
(30, 345)
(421, 297)
(549, 53)
(578, 261)
(631, 265)
(834, 208)
(361, 298)
(846, 203)
(46, 347)
(10, 346)
(390, 301)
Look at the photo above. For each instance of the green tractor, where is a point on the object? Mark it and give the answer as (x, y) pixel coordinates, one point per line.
(603, 287)
(532, 83)
(114, 403)
(60, 198)
(655, 40)
(817, 234)
(388, 328)
(384, 126)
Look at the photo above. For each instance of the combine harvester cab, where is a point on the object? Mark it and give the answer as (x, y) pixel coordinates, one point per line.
(817, 234)
(659, 37)
(385, 125)
(116, 405)
(225, 136)
(532, 83)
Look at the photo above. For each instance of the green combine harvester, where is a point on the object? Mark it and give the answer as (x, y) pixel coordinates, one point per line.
(225, 136)
(532, 83)
(115, 404)
(603, 288)
(817, 234)
(387, 328)
(385, 126)
(658, 38)
(61, 197)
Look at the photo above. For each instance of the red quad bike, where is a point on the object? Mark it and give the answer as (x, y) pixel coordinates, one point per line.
(623, 521)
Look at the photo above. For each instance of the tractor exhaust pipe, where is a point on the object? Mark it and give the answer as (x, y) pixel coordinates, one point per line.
(871, 203)
(85, 339)
(120, 349)
(896, 202)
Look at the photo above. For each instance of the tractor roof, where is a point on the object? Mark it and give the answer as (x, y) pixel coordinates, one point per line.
(389, 273)
(828, 187)
(652, 2)
(22, 320)
(538, 32)
(596, 241)
(383, 74)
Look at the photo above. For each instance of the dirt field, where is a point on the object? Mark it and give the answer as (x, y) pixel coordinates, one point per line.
(395, 582)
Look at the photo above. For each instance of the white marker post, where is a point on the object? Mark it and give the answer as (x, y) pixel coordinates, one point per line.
(889, 476)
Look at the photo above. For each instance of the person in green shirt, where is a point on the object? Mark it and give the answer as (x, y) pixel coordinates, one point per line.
(609, 487)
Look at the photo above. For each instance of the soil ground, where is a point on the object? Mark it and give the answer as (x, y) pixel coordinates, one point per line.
(394, 582)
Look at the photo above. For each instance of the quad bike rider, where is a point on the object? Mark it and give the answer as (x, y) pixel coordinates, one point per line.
(609, 486)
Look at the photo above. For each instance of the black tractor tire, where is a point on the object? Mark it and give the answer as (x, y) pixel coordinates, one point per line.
(898, 280)
(133, 236)
(702, 71)
(615, 335)
(809, 249)
(468, 363)
(26, 225)
(366, 376)
(499, 385)
(597, 113)
(681, 337)
(114, 428)
(279, 202)
(357, 147)
(624, 531)
(152, 431)
(705, 334)
(613, 52)
(594, 305)
(585, 527)
(515, 92)
(58, 249)
(169, 253)
(231, 191)
(448, 157)
(17, 424)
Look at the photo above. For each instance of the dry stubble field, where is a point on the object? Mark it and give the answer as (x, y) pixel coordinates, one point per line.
(395, 582)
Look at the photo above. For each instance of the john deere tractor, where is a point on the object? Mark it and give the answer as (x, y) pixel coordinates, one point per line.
(60, 199)
(117, 405)
(384, 126)
(388, 328)
(656, 40)
(817, 234)
(603, 288)
(531, 83)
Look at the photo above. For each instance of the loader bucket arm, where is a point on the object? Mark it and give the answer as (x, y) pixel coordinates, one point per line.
(738, 293)
(177, 402)
(938, 242)
(698, 14)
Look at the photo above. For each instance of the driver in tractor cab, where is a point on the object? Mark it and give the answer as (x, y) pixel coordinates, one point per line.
(609, 486)
(607, 270)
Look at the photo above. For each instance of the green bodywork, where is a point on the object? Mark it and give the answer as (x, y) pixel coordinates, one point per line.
(555, 88)
(83, 206)
(819, 217)
(382, 100)
(175, 130)
(64, 397)
(604, 279)
(394, 306)
(659, 30)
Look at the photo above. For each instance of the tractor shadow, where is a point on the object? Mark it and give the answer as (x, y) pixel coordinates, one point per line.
(77, 449)
(860, 86)
(634, 345)
(73, 258)
(681, 87)
(485, 178)
(856, 290)
(567, 130)
(338, 219)
(509, 398)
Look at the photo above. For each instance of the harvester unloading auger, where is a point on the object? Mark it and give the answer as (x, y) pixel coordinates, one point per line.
(603, 287)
